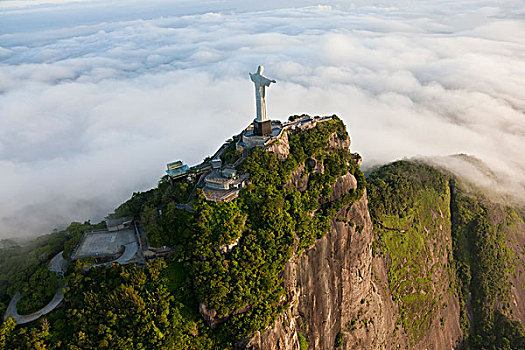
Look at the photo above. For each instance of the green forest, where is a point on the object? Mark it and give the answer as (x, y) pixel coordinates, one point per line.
(156, 306)
(402, 194)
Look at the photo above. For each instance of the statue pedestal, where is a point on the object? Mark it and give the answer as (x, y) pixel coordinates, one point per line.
(262, 128)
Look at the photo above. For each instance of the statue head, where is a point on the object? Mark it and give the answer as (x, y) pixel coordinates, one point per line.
(260, 70)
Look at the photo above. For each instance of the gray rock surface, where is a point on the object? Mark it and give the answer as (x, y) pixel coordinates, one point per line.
(338, 286)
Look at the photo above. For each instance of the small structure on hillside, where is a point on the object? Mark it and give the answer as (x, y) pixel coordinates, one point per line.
(119, 224)
(305, 122)
(224, 184)
(177, 169)
(216, 163)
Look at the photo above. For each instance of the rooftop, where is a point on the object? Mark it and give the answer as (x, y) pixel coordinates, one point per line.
(216, 177)
(215, 195)
(125, 221)
(175, 165)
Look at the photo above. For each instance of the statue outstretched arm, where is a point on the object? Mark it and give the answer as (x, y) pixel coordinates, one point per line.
(261, 80)
(266, 81)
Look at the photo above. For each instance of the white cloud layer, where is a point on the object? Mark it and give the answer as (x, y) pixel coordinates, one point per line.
(96, 96)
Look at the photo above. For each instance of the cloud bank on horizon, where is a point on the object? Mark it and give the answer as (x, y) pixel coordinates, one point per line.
(96, 97)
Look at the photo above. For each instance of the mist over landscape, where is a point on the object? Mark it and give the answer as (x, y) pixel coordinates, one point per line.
(96, 97)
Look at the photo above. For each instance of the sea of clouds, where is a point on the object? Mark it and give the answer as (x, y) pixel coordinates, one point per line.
(97, 96)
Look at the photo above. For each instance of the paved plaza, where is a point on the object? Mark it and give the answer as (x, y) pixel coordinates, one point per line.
(101, 243)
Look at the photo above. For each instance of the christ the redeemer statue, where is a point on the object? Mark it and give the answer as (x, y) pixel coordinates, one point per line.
(262, 125)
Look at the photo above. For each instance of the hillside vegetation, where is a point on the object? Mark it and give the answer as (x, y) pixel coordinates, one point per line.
(24, 267)
(268, 221)
(415, 209)
(441, 245)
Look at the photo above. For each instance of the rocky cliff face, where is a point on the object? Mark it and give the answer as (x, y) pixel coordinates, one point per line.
(332, 289)
(281, 147)
(339, 292)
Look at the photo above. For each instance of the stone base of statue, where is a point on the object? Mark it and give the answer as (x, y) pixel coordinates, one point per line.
(262, 128)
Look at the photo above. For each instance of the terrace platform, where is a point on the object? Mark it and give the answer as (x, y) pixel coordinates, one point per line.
(104, 243)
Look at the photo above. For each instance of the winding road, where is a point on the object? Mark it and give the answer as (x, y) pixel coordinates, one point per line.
(21, 319)
(130, 250)
(59, 265)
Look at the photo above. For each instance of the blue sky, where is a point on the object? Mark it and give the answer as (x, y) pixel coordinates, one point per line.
(97, 96)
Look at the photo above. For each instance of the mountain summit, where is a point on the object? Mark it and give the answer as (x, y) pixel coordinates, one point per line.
(279, 242)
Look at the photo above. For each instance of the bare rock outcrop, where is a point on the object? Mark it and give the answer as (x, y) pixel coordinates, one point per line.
(330, 284)
(338, 287)
(298, 179)
(209, 315)
(334, 142)
(338, 291)
(342, 185)
(280, 147)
